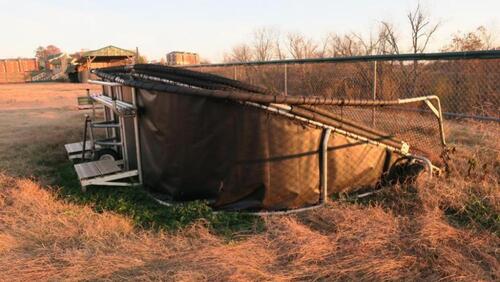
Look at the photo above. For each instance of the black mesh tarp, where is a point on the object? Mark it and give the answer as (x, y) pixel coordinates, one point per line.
(236, 156)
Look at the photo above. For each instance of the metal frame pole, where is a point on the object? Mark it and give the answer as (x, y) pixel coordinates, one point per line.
(91, 101)
(112, 114)
(123, 137)
(323, 169)
(87, 119)
(374, 89)
(286, 79)
(136, 134)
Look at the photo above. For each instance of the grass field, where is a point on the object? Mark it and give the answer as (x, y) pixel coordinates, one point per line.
(49, 230)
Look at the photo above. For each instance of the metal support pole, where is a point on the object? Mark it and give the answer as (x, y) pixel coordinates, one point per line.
(111, 114)
(87, 120)
(121, 121)
(93, 104)
(137, 139)
(374, 89)
(323, 170)
(286, 80)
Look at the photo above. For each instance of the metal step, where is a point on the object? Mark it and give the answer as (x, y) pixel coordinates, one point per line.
(105, 124)
(108, 142)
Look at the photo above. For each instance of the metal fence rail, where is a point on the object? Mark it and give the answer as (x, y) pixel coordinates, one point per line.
(468, 83)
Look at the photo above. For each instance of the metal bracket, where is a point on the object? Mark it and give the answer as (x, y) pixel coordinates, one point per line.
(433, 109)
(405, 148)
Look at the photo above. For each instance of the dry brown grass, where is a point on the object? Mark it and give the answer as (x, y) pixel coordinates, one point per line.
(45, 239)
(431, 232)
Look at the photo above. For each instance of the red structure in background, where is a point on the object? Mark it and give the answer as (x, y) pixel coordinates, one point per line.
(17, 70)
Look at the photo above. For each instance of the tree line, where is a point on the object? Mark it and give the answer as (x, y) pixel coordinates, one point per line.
(270, 44)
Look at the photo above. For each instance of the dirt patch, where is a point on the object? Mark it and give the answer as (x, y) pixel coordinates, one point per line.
(42, 95)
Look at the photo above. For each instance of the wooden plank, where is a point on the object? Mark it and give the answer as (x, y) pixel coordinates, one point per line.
(107, 166)
(86, 170)
(96, 169)
(77, 147)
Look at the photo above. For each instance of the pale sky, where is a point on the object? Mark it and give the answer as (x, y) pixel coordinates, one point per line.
(211, 28)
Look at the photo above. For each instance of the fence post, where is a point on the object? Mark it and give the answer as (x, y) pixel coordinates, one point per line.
(234, 72)
(374, 89)
(286, 79)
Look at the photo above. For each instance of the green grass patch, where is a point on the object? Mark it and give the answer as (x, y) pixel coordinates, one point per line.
(47, 162)
(135, 203)
(478, 213)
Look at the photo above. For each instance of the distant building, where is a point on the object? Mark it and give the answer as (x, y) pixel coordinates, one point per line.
(109, 56)
(177, 58)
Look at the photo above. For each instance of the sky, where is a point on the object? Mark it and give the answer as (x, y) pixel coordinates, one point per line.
(211, 28)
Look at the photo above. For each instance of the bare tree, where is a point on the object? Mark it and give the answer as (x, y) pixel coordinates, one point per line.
(421, 32)
(279, 49)
(330, 45)
(301, 47)
(480, 39)
(368, 46)
(239, 53)
(388, 40)
(264, 43)
(421, 28)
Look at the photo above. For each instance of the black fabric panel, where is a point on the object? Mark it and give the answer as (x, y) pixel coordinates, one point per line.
(241, 157)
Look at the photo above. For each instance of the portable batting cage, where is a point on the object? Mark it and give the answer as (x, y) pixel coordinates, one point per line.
(186, 135)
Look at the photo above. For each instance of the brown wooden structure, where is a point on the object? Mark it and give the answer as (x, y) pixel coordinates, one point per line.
(17, 70)
(105, 57)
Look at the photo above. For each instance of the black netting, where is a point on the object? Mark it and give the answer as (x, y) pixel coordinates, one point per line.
(206, 135)
(335, 89)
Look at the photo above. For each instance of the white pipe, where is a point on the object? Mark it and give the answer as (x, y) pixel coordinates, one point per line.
(105, 83)
(321, 125)
(427, 162)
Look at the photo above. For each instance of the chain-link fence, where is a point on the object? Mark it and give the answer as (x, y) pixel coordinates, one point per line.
(467, 83)
(242, 146)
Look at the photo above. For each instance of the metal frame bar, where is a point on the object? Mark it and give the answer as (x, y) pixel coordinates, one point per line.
(121, 122)
(435, 110)
(489, 54)
(104, 83)
(285, 111)
(112, 103)
(430, 167)
(323, 169)
(137, 137)
(404, 150)
(374, 90)
(110, 113)
(119, 107)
